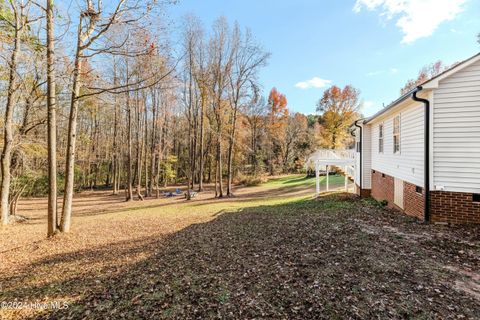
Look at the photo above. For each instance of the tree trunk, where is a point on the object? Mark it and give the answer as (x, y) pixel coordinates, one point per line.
(230, 154)
(219, 166)
(72, 136)
(164, 144)
(201, 164)
(129, 195)
(153, 154)
(8, 126)
(139, 148)
(145, 147)
(115, 133)
(52, 124)
(216, 180)
(229, 166)
(254, 148)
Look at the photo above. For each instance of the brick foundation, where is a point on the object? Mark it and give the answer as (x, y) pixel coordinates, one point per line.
(453, 207)
(382, 187)
(362, 193)
(413, 202)
(445, 207)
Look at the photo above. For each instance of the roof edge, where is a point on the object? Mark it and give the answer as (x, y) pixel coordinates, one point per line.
(391, 105)
(429, 84)
(433, 82)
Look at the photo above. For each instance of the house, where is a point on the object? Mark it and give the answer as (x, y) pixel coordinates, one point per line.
(428, 139)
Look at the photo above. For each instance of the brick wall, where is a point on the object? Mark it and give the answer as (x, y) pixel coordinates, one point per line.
(445, 207)
(363, 193)
(413, 202)
(453, 207)
(382, 187)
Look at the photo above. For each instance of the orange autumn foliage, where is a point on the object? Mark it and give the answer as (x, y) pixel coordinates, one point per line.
(278, 112)
(338, 108)
(426, 73)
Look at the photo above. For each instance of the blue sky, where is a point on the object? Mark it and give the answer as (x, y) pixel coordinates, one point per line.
(375, 45)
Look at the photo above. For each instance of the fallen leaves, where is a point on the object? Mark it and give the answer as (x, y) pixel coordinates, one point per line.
(335, 258)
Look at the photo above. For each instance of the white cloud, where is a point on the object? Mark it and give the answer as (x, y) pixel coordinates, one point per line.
(416, 18)
(393, 70)
(368, 104)
(315, 82)
(369, 108)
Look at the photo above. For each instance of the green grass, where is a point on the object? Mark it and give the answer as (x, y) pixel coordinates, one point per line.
(297, 181)
(289, 202)
(184, 208)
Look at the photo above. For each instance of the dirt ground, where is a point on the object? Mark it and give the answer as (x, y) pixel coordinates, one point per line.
(272, 251)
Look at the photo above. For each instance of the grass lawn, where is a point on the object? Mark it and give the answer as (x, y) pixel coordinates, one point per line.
(334, 180)
(272, 251)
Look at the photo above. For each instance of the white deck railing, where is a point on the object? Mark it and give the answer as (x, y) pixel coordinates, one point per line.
(344, 159)
(351, 171)
(331, 157)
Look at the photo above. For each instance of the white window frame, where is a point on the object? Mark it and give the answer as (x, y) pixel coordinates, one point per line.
(381, 138)
(397, 147)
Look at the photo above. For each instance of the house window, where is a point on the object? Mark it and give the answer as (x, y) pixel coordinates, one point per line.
(380, 138)
(418, 189)
(396, 134)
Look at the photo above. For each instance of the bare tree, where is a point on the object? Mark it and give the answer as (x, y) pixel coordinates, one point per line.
(220, 66)
(255, 113)
(52, 122)
(92, 26)
(202, 80)
(129, 195)
(248, 58)
(85, 39)
(190, 96)
(16, 24)
(115, 151)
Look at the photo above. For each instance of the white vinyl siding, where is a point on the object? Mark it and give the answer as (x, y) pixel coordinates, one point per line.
(367, 159)
(456, 131)
(408, 164)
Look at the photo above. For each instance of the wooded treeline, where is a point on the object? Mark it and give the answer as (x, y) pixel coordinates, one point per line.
(99, 96)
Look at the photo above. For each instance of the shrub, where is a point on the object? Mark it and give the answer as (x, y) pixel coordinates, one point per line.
(376, 203)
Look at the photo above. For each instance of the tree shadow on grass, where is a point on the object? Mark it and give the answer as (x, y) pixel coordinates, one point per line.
(280, 192)
(306, 181)
(299, 180)
(305, 259)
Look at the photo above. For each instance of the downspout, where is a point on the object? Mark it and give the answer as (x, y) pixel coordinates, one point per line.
(427, 152)
(360, 149)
